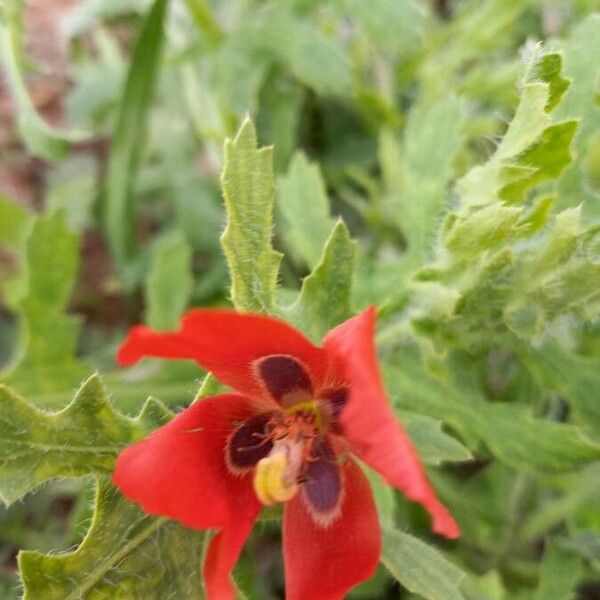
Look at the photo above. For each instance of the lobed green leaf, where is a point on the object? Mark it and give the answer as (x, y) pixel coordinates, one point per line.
(83, 438)
(248, 191)
(125, 554)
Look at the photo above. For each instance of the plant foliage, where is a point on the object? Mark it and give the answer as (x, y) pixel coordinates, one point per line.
(304, 159)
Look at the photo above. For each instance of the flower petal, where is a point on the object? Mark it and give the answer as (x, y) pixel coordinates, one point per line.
(180, 471)
(369, 423)
(248, 443)
(325, 562)
(322, 486)
(285, 378)
(227, 343)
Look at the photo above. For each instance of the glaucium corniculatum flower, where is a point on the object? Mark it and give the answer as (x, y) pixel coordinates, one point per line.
(288, 433)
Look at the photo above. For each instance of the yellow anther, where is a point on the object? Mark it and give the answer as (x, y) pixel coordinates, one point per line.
(270, 481)
(309, 407)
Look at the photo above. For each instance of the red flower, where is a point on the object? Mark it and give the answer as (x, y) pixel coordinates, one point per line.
(286, 435)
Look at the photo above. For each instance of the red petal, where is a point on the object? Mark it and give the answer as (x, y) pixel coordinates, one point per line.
(179, 471)
(227, 343)
(324, 563)
(369, 423)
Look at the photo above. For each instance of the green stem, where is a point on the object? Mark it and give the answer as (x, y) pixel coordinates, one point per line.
(205, 22)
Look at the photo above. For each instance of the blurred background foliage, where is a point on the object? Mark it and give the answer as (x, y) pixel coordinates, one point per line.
(459, 141)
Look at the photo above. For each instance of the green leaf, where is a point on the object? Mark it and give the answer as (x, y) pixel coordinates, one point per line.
(280, 110)
(273, 34)
(419, 567)
(45, 359)
(73, 189)
(480, 185)
(127, 141)
(14, 220)
(309, 55)
(125, 554)
(205, 21)
(560, 572)
(433, 444)
(432, 139)
(580, 102)
(579, 491)
(169, 282)
(302, 200)
(511, 433)
(248, 191)
(15, 223)
(239, 69)
(394, 25)
(545, 159)
(389, 156)
(547, 68)
(483, 229)
(40, 138)
(576, 378)
(484, 587)
(324, 299)
(85, 437)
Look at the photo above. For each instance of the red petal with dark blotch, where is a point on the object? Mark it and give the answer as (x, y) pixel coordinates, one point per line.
(285, 378)
(326, 562)
(248, 443)
(228, 344)
(180, 471)
(369, 423)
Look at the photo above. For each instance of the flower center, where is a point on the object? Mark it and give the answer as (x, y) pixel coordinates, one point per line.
(292, 434)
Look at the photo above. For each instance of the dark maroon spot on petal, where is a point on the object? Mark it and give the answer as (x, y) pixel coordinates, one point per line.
(248, 443)
(322, 482)
(285, 378)
(334, 400)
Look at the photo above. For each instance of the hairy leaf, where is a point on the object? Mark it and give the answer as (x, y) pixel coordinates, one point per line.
(248, 191)
(85, 437)
(126, 554)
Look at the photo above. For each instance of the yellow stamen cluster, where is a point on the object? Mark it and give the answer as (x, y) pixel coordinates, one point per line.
(276, 476)
(310, 407)
(270, 481)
